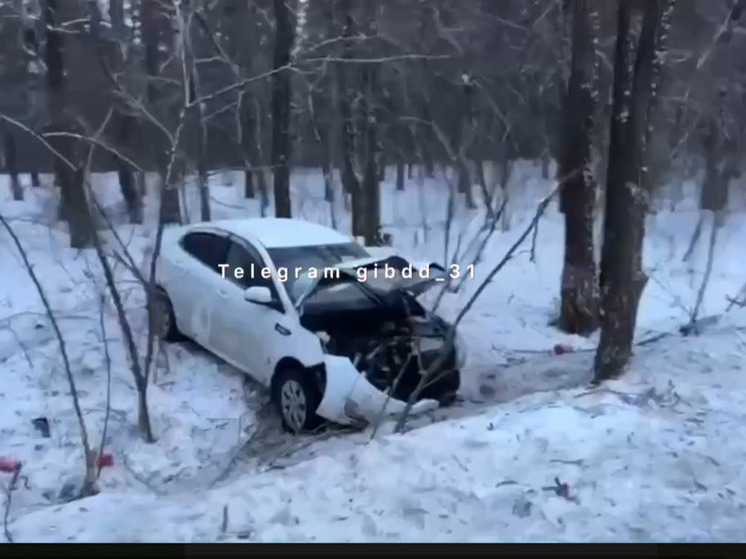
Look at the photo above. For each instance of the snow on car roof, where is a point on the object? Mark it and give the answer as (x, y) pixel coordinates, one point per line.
(274, 232)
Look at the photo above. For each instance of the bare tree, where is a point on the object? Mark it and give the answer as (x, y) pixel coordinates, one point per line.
(344, 94)
(579, 291)
(370, 116)
(196, 117)
(281, 96)
(426, 29)
(10, 156)
(74, 206)
(125, 120)
(154, 26)
(635, 86)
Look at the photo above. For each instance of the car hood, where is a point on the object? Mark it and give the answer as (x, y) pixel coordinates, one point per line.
(421, 276)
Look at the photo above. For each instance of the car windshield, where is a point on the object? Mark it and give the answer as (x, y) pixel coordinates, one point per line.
(300, 268)
(294, 263)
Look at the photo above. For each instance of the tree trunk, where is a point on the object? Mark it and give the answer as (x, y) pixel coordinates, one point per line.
(116, 15)
(464, 181)
(248, 185)
(11, 165)
(327, 157)
(152, 26)
(200, 131)
(399, 144)
(350, 180)
(321, 109)
(132, 198)
(127, 184)
(35, 182)
(372, 149)
(263, 191)
(464, 138)
(74, 202)
(400, 174)
(281, 145)
(382, 164)
(545, 160)
(424, 138)
(482, 180)
(328, 172)
(249, 140)
(131, 194)
(622, 277)
(721, 144)
(204, 192)
(143, 415)
(721, 164)
(506, 171)
(579, 290)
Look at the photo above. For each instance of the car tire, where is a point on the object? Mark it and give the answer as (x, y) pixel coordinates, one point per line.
(297, 397)
(165, 319)
(445, 390)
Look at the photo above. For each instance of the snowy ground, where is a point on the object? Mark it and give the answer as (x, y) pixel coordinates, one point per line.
(645, 458)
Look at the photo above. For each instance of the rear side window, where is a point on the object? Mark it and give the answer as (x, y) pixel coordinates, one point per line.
(208, 248)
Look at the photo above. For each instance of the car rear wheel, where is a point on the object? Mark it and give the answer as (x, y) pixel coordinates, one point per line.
(297, 397)
(164, 318)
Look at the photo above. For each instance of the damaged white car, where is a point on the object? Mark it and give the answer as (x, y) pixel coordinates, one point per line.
(333, 331)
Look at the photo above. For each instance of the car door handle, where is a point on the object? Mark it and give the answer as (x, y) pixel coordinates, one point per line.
(223, 293)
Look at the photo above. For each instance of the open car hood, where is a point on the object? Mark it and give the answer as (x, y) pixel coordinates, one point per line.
(414, 277)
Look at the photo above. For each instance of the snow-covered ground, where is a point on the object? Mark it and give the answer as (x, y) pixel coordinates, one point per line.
(656, 455)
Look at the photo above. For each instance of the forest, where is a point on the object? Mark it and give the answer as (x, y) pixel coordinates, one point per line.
(118, 117)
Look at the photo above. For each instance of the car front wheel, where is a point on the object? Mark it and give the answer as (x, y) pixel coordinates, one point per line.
(164, 319)
(297, 398)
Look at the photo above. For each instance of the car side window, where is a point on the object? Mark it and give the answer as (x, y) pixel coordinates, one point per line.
(208, 248)
(250, 261)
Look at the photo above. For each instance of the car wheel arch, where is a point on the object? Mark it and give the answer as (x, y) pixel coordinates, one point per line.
(163, 303)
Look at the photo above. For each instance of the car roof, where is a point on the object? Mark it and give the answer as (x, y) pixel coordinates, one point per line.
(276, 232)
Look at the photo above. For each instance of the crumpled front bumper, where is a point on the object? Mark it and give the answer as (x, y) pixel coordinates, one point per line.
(350, 399)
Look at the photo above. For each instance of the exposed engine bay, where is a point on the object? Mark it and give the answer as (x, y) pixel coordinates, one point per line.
(384, 331)
(395, 354)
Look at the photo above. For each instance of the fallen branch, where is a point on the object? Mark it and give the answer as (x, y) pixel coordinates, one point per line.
(737, 300)
(561, 489)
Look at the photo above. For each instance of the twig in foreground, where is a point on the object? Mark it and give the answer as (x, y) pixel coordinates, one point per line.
(8, 502)
(448, 346)
(89, 484)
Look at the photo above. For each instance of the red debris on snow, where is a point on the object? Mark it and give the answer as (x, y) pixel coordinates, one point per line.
(105, 460)
(9, 466)
(561, 349)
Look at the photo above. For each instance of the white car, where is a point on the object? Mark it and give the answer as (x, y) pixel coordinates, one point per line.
(296, 306)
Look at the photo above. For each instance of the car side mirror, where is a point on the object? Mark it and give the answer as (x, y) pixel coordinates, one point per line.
(259, 295)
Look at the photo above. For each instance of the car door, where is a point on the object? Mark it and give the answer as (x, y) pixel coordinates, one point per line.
(199, 303)
(250, 328)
